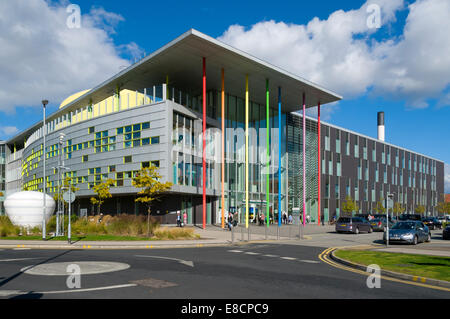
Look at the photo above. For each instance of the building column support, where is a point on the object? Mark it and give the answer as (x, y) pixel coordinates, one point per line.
(319, 173)
(223, 147)
(279, 157)
(304, 159)
(267, 153)
(204, 143)
(246, 151)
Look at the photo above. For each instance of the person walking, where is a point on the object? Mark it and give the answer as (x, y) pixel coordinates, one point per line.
(178, 219)
(184, 218)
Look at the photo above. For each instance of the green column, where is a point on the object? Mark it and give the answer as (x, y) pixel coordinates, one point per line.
(268, 153)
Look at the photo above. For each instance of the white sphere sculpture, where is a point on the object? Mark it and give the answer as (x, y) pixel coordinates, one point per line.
(25, 209)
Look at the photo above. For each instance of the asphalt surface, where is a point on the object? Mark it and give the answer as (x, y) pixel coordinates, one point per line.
(252, 271)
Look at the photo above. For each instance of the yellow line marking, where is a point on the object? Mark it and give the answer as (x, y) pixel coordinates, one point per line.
(324, 257)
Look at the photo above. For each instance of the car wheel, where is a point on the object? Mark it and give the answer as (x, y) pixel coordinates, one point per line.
(415, 240)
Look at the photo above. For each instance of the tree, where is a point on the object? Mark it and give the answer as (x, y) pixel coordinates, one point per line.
(380, 209)
(398, 209)
(148, 180)
(349, 206)
(67, 182)
(443, 208)
(102, 191)
(420, 209)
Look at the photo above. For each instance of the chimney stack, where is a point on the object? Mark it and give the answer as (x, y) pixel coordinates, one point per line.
(381, 126)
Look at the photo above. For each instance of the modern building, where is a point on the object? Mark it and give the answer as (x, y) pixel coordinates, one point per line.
(223, 127)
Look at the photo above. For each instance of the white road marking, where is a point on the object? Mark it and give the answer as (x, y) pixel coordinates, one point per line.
(235, 251)
(5, 293)
(274, 256)
(87, 268)
(252, 253)
(289, 258)
(181, 261)
(17, 259)
(87, 289)
(310, 261)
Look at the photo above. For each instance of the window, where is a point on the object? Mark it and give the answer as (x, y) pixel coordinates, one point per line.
(145, 125)
(145, 141)
(112, 168)
(85, 158)
(155, 163)
(119, 130)
(338, 142)
(145, 164)
(91, 129)
(127, 159)
(155, 140)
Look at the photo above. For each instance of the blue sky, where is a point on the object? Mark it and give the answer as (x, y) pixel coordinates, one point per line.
(383, 70)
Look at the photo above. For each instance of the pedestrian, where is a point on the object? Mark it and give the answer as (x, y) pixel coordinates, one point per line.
(284, 218)
(178, 219)
(184, 218)
(290, 219)
(230, 221)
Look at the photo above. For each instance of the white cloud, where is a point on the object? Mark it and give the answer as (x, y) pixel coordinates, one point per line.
(342, 54)
(41, 57)
(447, 179)
(8, 130)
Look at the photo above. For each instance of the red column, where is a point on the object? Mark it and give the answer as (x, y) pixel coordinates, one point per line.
(319, 161)
(204, 143)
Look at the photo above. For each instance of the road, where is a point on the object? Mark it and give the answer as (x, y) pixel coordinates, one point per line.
(251, 271)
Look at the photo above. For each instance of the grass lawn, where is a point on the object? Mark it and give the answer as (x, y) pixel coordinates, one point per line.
(416, 265)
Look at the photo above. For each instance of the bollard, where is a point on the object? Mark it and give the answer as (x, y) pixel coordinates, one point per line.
(232, 234)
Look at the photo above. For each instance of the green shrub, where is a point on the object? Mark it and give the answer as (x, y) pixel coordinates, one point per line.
(7, 228)
(130, 225)
(175, 233)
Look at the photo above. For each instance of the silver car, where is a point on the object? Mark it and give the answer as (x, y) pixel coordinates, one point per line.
(411, 232)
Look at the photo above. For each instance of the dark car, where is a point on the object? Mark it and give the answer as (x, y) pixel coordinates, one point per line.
(432, 222)
(405, 217)
(411, 232)
(446, 233)
(353, 225)
(379, 224)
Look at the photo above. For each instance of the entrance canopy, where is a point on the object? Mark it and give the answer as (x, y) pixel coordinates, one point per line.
(181, 62)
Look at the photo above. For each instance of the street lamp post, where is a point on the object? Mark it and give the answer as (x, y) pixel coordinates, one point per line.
(44, 104)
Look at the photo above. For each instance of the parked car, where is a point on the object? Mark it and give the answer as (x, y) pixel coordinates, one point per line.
(353, 225)
(379, 224)
(405, 217)
(411, 232)
(432, 222)
(446, 233)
